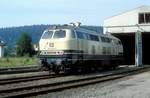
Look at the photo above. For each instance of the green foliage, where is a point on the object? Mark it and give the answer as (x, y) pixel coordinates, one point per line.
(24, 45)
(8, 51)
(17, 61)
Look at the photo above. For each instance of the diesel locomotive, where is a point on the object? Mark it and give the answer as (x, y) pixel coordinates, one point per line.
(72, 48)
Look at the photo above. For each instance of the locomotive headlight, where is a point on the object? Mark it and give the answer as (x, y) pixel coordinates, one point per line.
(42, 53)
(51, 44)
(59, 52)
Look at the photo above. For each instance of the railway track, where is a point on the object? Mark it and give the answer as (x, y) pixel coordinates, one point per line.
(14, 70)
(26, 79)
(80, 80)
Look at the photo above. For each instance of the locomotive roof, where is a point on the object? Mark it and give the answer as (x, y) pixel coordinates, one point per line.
(80, 28)
(60, 27)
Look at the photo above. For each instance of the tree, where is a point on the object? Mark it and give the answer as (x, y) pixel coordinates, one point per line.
(24, 45)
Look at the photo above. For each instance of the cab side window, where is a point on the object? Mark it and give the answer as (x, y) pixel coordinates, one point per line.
(79, 35)
(94, 38)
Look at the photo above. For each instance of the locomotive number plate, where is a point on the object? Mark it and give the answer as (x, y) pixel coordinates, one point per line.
(51, 44)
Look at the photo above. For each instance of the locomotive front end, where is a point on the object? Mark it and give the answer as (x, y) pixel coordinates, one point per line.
(56, 48)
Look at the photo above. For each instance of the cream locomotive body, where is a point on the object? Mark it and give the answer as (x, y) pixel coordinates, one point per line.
(72, 47)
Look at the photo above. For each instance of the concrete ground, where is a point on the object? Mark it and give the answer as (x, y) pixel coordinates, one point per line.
(137, 86)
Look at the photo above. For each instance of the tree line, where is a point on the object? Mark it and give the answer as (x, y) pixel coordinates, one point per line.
(24, 45)
(21, 44)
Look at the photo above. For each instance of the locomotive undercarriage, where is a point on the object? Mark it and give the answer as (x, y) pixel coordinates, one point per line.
(77, 63)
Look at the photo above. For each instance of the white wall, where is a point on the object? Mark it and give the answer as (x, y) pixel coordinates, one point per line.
(126, 22)
(128, 18)
(1, 51)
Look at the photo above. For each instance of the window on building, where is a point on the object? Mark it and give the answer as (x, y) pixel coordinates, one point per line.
(144, 18)
(147, 17)
(141, 18)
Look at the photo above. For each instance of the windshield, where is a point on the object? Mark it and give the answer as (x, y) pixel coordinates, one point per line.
(47, 35)
(59, 34)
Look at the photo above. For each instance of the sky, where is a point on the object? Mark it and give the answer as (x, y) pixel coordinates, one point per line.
(88, 12)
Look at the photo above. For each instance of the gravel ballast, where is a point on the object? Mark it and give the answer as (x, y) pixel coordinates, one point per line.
(137, 86)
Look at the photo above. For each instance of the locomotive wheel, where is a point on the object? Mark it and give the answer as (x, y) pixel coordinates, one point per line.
(44, 68)
(85, 69)
(73, 70)
(56, 70)
(63, 68)
(115, 67)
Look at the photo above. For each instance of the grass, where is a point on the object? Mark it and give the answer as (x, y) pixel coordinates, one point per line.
(17, 61)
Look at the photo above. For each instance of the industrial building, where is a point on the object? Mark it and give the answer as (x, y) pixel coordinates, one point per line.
(133, 28)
